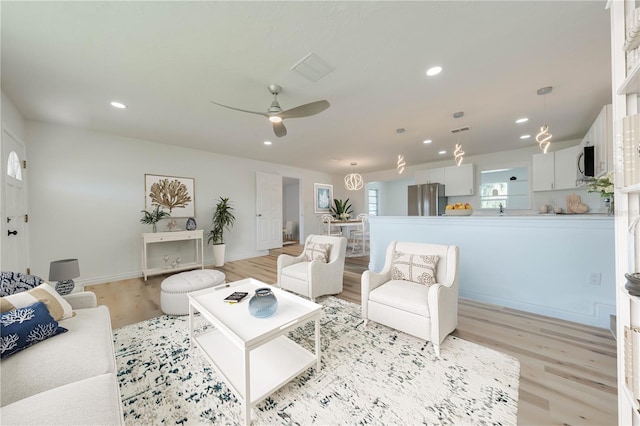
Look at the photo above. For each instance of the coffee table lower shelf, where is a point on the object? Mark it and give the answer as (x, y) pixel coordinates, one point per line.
(272, 364)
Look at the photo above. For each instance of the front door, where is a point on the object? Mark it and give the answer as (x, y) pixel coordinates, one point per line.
(13, 248)
(268, 210)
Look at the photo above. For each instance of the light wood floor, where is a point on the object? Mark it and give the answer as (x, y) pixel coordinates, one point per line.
(567, 370)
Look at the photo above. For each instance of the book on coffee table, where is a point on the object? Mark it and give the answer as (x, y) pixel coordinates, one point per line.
(235, 297)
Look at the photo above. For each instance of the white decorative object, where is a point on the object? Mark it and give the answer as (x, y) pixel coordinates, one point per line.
(401, 164)
(353, 181)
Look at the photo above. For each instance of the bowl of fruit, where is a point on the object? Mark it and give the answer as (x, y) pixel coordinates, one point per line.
(458, 209)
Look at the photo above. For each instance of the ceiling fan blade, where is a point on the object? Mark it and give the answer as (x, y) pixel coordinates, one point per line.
(305, 110)
(279, 129)
(241, 110)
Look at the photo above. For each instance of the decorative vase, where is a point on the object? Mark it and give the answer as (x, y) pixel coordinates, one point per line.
(155, 227)
(218, 254)
(633, 284)
(191, 224)
(608, 202)
(263, 304)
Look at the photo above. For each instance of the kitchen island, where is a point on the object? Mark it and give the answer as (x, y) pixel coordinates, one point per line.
(556, 265)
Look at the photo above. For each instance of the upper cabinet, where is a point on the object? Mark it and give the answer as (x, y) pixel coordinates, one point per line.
(600, 137)
(430, 176)
(459, 180)
(555, 170)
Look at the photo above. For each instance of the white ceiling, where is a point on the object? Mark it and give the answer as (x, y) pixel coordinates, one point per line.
(63, 62)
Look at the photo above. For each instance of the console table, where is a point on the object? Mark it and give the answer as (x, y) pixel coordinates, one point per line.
(163, 237)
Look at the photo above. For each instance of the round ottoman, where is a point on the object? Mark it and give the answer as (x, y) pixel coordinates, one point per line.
(174, 289)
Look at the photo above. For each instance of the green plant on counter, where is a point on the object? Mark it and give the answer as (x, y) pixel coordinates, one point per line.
(603, 185)
(341, 209)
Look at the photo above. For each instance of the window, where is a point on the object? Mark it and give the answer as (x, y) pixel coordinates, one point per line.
(492, 195)
(509, 187)
(13, 166)
(373, 202)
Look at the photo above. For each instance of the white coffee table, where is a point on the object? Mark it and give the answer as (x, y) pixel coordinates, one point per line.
(253, 355)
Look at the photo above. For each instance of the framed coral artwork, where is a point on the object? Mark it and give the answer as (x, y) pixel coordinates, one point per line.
(323, 196)
(173, 194)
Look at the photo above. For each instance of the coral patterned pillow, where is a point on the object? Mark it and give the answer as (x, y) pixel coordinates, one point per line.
(316, 251)
(24, 327)
(417, 268)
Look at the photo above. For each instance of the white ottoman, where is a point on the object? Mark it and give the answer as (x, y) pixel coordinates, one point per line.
(174, 289)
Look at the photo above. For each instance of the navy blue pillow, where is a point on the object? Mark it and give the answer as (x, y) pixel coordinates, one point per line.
(15, 282)
(24, 327)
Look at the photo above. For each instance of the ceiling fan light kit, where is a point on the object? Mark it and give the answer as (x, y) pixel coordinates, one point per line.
(276, 115)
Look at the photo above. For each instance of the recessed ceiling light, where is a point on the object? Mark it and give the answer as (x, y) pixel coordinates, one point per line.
(522, 120)
(525, 136)
(442, 152)
(434, 71)
(267, 142)
(119, 105)
(427, 141)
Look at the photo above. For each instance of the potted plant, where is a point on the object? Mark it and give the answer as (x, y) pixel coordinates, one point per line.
(223, 218)
(154, 217)
(341, 210)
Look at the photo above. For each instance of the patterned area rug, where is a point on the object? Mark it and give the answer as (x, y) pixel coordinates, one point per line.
(369, 375)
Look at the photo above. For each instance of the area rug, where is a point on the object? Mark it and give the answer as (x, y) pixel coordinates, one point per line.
(369, 375)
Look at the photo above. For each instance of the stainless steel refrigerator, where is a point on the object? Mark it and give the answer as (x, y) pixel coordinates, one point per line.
(427, 200)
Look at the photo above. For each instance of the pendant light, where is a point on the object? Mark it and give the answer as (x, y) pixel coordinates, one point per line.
(458, 154)
(544, 136)
(353, 181)
(401, 164)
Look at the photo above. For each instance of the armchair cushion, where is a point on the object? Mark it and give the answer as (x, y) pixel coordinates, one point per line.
(404, 295)
(298, 270)
(417, 268)
(316, 251)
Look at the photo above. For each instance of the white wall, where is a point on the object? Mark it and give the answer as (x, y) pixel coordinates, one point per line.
(11, 118)
(87, 190)
(538, 264)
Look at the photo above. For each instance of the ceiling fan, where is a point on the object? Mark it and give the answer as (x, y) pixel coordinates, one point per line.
(275, 114)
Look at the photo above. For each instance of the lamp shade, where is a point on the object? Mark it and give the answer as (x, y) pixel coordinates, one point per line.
(62, 270)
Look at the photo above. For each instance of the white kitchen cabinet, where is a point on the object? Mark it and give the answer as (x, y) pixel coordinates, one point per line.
(626, 89)
(459, 180)
(543, 172)
(429, 176)
(600, 136)
(565, 167)
(555, 170)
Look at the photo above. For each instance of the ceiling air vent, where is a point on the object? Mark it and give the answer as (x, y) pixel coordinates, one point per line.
(312, 67)
(461, 129)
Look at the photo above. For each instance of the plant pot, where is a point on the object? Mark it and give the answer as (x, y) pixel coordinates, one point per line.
(218, 254)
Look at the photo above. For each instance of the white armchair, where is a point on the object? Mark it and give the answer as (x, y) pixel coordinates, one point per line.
(430, 311)
(314, 278)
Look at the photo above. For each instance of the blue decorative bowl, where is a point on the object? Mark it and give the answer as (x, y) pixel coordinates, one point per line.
(263, 304)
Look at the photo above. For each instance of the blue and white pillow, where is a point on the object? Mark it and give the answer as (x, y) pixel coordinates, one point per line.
(15, 282)
(24, 327)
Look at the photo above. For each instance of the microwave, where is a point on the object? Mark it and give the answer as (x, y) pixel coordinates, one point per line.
(586, 163)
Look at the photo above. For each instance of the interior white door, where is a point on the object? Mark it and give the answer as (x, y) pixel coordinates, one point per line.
(13, 248)
(268, 210)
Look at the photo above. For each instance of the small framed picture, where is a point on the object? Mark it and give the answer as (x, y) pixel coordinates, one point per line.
(323, 197)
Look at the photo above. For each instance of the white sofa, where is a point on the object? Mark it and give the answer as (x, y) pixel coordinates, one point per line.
(69, 379)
